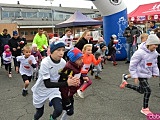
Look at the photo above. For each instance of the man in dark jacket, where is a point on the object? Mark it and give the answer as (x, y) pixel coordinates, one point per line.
(16, 44)
(131, 33)
(4, 38)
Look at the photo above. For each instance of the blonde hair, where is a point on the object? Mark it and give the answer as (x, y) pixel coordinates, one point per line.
(26, 47)
(83, 35)
(144, 35)
(85, 47)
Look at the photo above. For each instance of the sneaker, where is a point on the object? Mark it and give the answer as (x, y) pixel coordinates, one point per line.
(114, 63)
(97, 77)
(127, 62)
(51, 118)
(123, 77)
(80, 93)
(146, 111)
(123, 84)
(9, 75)
(24, 92)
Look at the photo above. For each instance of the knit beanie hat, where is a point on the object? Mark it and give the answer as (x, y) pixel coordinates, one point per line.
(34, 45)
(56, 45)
(102, 45)
(74, 54)
(15, 33)
(153, 39)
(6, 47)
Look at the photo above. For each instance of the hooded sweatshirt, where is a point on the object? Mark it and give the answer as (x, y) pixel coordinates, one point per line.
(143, 63)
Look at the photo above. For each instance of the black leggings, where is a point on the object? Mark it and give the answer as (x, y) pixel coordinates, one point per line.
(57, 104)
(8, 67)
(143, 88)
(68, 105)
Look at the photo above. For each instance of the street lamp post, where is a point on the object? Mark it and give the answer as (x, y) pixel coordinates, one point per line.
(51, 14)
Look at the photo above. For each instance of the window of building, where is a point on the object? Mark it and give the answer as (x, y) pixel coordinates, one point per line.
(5, 14)
(11, 14)
(24, 33)
(17, 14)
(61, 17)
(67, 16)
(33, 32)
(24, 14)
(31, 15)
(41, 15)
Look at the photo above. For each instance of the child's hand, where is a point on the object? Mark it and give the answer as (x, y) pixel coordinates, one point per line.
(136, 80)
(73, 81)
(108, 57)
(85, 78)
(30, 62)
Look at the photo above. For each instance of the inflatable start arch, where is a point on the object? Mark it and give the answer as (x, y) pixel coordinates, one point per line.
(114, 14)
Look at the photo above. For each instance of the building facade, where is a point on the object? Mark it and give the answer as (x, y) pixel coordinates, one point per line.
(29, 17)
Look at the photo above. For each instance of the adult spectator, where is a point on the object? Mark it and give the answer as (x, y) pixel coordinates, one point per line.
(4, 38)
(41, 40)
(131, 33)
(86, 39)
(16, 44)
(152, 27)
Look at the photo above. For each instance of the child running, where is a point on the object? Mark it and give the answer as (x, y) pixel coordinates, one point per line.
(47, 85)
(7, 59)
(38, 57)
(143, 66)
(143, 37)
(88, 59)
(73, 67)
(27, 64)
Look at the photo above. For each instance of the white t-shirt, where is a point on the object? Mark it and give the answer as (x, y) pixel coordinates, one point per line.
(25, 67)
(48, 69)
(67, 41)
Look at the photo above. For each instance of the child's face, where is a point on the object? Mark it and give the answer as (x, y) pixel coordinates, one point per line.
(144, 38)
(8, 49)
(79, 61)
(104, 48)
(88, 50)
(34, 48)
(87, 36)
(68, 33)
(58, 53)
(152, 47)
(27, 52)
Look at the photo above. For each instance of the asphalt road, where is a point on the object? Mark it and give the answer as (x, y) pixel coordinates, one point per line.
(104, 100)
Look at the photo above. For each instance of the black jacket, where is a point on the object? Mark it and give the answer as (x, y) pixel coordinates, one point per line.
(4, 38)
(14, 43)
(111, 48)
(133, 31)
(82, 42)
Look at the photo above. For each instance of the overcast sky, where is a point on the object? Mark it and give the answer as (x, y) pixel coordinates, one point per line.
(131, 4)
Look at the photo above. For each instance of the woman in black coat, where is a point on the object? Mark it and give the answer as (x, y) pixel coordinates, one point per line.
(85, 39)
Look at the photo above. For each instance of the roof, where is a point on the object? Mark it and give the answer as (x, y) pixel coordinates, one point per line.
(78, 19)
(146, 10)
(56, 8)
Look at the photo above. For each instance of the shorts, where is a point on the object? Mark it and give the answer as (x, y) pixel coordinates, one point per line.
(25, 77)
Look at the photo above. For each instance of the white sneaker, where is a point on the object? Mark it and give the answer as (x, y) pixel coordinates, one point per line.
(10, 75)
(80, 93)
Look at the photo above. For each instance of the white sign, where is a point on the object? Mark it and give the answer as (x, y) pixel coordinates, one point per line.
(95, 35)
